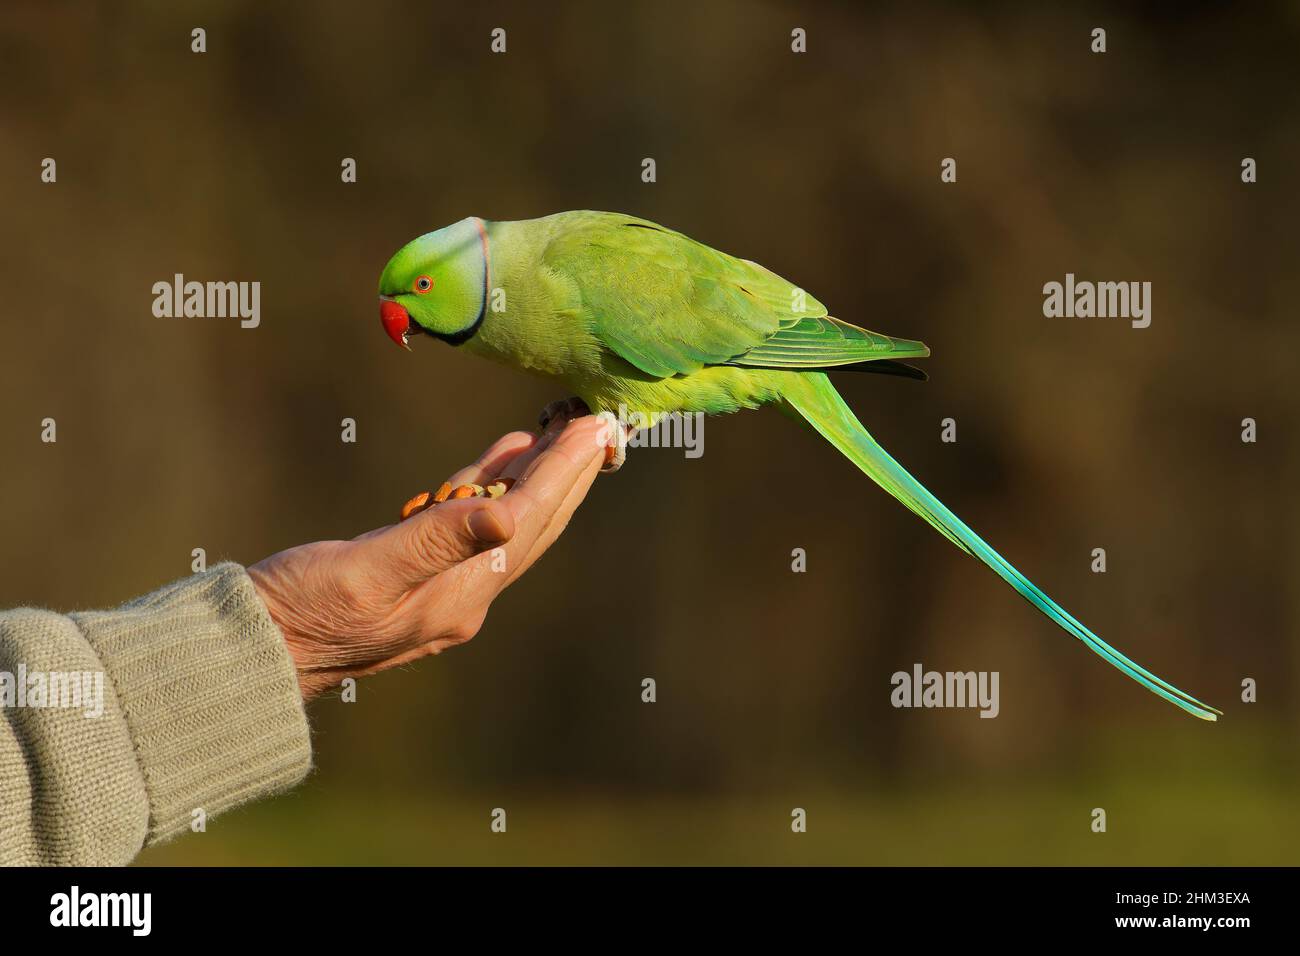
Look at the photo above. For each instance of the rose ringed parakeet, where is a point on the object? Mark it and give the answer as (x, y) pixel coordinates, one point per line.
(627, 314)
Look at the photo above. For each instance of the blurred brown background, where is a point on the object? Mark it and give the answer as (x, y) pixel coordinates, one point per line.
(773, 687)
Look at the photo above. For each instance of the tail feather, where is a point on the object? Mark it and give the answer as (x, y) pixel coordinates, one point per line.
(813, 397)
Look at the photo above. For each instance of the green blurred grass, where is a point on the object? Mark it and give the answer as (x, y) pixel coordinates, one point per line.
(1215, 810)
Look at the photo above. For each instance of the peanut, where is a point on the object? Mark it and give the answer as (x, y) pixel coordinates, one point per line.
(415, 505)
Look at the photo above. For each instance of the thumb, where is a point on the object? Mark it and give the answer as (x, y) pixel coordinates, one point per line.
(441, 538)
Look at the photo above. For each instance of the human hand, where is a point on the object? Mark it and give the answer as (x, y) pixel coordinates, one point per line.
(350, 608)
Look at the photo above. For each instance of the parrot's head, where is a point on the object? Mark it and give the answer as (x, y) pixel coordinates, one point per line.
(437, 285)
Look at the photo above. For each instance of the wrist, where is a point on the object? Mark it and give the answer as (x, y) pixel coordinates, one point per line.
(305, 662)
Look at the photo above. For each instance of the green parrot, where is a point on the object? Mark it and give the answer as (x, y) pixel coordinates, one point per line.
(630, 316)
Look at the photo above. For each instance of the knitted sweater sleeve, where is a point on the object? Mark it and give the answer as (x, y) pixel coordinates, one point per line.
(116, 727)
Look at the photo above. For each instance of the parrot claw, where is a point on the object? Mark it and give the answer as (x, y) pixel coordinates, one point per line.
(563, 408)
(615, 434)
(614, 460)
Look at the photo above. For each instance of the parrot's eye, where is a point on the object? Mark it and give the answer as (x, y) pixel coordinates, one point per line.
(423, 284)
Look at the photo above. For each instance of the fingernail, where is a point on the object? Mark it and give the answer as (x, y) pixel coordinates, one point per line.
(486, 527)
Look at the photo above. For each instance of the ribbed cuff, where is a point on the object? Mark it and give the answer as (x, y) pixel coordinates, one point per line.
(210, 695)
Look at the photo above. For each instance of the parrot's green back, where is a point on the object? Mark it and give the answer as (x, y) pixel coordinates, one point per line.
(634, 317)
(626, 312)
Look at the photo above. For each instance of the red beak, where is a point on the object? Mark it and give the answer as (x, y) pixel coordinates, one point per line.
(396, 320)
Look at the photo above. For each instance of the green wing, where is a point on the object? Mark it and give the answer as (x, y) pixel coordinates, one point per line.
(670, 305)
(825, 342)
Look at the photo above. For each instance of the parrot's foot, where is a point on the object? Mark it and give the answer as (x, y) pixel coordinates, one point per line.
(562, 408)
(615, 435)
(426, 500)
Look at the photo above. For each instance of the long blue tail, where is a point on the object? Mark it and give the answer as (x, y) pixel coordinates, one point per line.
(812, 396)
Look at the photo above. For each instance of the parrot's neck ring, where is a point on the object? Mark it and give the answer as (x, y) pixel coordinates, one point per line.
(467, 333)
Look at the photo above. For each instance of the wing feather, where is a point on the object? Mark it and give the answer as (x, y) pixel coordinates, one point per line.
(671, 306)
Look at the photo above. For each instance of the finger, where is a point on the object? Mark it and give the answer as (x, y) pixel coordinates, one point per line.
(563, 514)
(569, 464)
(491, 463)
(420, 547)
(437, 540)
(487, 466)
(554, 428)
(556, 526)
(520, 463)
